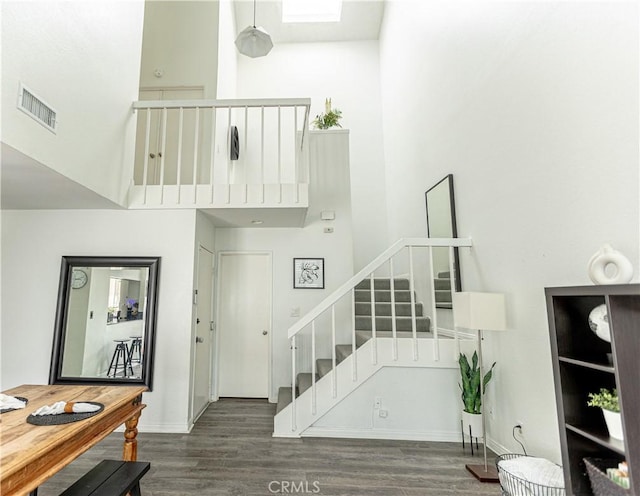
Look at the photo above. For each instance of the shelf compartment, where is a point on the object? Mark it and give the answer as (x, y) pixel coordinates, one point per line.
(603, 440)
(590, 365)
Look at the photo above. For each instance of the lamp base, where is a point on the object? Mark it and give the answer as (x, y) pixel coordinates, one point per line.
(478, 471)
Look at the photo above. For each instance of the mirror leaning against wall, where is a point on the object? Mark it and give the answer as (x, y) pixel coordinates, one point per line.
(105, 321)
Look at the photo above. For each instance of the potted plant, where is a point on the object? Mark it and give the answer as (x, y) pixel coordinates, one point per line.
(610, 405)
(329, 119)
(471, 394)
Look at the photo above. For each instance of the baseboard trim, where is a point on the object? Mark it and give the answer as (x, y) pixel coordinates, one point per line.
(389, 434)
(497, 448)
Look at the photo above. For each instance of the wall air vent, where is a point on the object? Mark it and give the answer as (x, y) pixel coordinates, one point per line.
(37, 109)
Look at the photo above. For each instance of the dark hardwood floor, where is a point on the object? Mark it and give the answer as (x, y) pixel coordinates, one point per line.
(231, 452)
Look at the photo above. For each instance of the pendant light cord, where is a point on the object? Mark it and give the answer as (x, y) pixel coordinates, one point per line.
(254, 13)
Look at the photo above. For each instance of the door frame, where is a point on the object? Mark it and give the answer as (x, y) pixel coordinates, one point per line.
(193, 417)
(216, 367)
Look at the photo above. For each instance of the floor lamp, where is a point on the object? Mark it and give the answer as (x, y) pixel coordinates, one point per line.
(481, 311)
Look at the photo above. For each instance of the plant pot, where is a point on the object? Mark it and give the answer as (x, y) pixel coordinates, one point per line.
(614, 423)
(473, 421)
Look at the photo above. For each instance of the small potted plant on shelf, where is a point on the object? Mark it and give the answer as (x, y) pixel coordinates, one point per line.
(471, 394)
(610, 405)
(329, 119)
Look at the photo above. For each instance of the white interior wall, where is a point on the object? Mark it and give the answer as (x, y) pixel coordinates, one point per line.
(181, 42)
(534, 109)
(58, 50)
(329, 191)
(25, 264)
(227, 53)
(347, 72)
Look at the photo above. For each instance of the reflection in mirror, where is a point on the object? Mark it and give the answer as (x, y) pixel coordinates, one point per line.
(105, 321)
(441, 223)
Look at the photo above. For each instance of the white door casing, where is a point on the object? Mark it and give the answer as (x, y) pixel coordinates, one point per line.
(244, 324)
(202, 338)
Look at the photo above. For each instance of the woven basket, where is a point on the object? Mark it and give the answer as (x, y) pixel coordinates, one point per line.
(601, 485)
(512, 485)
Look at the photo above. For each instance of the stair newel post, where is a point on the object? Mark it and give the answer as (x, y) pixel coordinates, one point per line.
(394, 330)
(313, 367)
(354, 360)
(453, 286)
(374, 348)
(214, 119)
(334, 375)
(145, 169)
(413, 305)
(196, 146)
(436, 347)
(293, 383)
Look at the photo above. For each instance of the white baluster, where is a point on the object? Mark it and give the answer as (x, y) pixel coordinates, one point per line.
(296, 163)
(452, 280)
(372, 293)
(293, 383)
(228, 199)
(436, 347)
(394, 330)
(163, 148)
(196, 145)
(145, 169)
(313, 367)
(179, 164)
(214, 119)
(279, 156)
(354, 361)
(413, 305)
(244, 161)
(262, 155)
(334, 375)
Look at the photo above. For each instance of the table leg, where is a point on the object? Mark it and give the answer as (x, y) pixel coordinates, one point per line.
(130, 450)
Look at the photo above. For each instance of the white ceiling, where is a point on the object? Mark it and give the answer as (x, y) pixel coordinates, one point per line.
(361, 20)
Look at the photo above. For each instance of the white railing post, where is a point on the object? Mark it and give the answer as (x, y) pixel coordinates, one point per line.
(436, 348)
(293, 383)
(334, 387)
(162, 156)
(196, 146)
(179, 163)
(214, 119)
(394, 331)
(145, 169)
(374, 347)
(413, 305)
(453, 288)
(313, 367)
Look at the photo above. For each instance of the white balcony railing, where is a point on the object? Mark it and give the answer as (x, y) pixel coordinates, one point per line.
(186, 153)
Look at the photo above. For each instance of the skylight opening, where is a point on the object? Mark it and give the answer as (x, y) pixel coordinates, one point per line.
(311, 10)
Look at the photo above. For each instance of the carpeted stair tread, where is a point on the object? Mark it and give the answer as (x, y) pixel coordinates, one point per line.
(444, 305)
(442, 284)
(401, 295)
(284, 398)
(443, 296)
(363, 336)
(323, 366)
(363, 323)
(384, 309)
(384, 283)
(343, 351)
(303, 381)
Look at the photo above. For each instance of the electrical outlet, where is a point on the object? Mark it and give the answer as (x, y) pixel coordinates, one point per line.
(519, 426)
(383, 413)
(377, 403)
(328, 230)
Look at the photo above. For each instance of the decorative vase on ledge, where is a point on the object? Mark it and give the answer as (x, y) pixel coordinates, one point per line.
(614, 423)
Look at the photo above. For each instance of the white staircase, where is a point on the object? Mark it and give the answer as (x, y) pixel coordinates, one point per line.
(388, 328)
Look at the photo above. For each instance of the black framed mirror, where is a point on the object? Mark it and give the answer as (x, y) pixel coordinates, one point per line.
(441, 223)
(105, 321)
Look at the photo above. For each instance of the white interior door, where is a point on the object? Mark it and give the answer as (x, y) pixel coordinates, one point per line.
(244, 324)
(201, 393)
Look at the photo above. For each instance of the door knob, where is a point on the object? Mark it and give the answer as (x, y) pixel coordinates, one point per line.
(264, 333)
(199, 339)
(197, 320)
(152, 155)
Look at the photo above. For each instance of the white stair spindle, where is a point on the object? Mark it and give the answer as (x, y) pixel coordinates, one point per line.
(354, 360)
(145, 169)
(196, 146)
(214, 119)
(413, 305)
(313, 367)
(293, 383)
(244, 156)
(372, 293)
(228, 199)
(163, 148)
(296, 161)
(179, 163)
(279, 178)
(334, 375)
(394, 330)
(436, 347)
(453, 286)
(262, 155)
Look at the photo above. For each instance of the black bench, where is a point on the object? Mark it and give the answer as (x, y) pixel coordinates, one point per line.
(110, 478)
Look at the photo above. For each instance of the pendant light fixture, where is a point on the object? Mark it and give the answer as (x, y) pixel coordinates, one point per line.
(254, 41)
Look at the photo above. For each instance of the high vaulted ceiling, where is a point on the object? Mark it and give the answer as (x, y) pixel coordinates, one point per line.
(361, 20)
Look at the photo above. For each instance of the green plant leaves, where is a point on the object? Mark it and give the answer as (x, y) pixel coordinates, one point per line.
(328, 120)
(605, 399)
(470, 382)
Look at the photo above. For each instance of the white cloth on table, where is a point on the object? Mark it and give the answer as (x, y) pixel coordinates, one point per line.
(10, 402)
(59, 407)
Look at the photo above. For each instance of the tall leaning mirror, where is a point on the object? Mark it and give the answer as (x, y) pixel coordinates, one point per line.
(441, 223)
(105, 321)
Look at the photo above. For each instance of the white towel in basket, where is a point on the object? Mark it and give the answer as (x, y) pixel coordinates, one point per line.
(530, 472)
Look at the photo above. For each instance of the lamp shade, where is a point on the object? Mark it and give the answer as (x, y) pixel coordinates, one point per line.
(484, 311)
(254, 42)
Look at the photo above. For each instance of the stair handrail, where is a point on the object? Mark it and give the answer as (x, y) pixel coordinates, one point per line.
(350, 283)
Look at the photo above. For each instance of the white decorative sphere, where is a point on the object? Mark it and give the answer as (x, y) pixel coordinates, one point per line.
(599, 322)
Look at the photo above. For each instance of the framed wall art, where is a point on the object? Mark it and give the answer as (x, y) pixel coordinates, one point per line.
(308, 273)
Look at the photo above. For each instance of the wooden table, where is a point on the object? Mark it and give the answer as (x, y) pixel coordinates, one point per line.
(30, 454)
